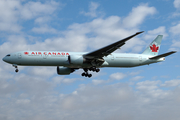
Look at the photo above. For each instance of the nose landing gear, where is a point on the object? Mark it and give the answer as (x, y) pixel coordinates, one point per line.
(16, 68)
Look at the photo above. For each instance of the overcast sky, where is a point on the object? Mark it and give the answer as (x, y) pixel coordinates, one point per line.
(38, 93)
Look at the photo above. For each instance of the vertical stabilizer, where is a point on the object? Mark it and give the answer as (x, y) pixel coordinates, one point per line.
(154, 47)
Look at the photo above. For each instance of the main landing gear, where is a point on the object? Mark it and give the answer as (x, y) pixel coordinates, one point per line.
(94, 69)
(86, 74)
(16, 68)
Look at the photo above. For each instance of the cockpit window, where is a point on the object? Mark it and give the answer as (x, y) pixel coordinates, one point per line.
(8, 55)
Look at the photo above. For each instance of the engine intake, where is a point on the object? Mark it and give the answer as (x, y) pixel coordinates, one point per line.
(76, 59)
(64, 70)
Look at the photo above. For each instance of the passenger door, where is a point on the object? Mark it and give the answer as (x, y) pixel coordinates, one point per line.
(19, 56)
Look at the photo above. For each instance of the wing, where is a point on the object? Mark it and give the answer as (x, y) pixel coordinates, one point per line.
(105, 51)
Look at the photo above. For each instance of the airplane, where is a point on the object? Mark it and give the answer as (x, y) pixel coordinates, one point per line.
(68, 62)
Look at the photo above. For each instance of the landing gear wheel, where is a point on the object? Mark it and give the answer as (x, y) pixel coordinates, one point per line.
(93, 69)
(97, 70)
(16, 70)
(89, 75)
(83, 74)
(86, 75)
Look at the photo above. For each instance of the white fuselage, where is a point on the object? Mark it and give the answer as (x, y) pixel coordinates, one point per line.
(57, 58)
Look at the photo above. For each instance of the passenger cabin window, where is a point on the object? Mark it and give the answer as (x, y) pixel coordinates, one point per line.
(8, 55)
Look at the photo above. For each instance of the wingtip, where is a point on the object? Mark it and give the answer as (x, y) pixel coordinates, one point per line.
(174, 51)
(139, 32)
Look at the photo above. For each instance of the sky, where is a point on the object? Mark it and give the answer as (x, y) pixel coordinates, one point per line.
(140, 93)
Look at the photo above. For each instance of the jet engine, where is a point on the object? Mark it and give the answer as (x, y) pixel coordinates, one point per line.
(76, 59)
(64, 70)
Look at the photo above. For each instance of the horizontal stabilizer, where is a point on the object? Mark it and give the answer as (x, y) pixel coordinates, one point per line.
(163, 55)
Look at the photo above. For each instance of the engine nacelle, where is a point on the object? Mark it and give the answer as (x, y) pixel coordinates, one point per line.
(76, 59)
(64, 70)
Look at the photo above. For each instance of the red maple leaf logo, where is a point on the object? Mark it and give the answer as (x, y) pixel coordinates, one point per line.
(154, 48)
(26, 53)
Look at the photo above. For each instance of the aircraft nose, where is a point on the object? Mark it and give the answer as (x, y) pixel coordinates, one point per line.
(4, 59)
